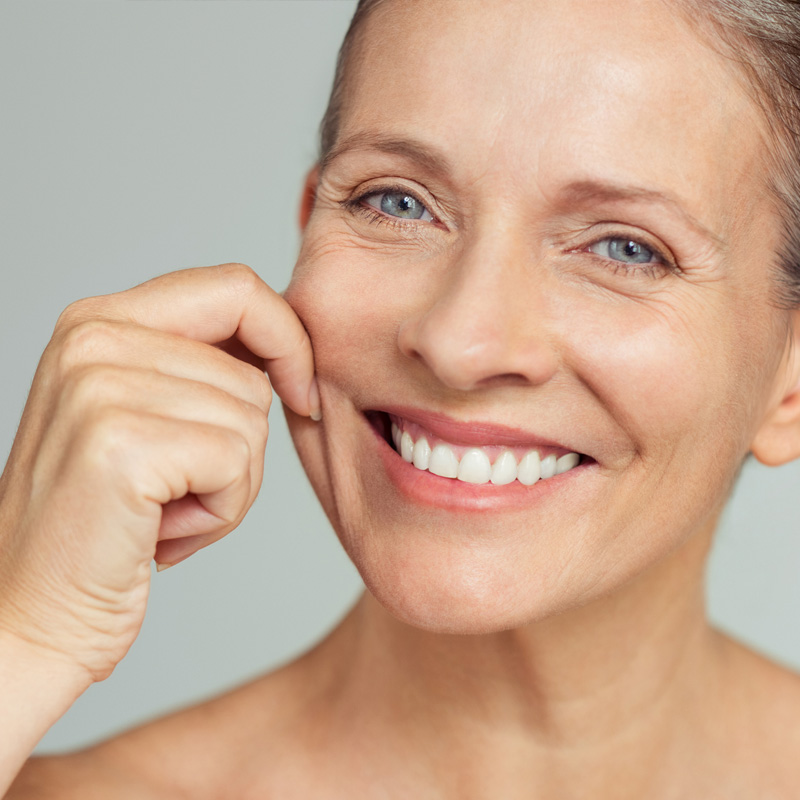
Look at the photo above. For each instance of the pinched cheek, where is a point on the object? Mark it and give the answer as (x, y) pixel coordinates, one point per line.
(319, 292)
(347, 338)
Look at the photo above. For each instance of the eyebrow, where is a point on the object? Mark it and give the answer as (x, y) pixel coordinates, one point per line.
(575, 193)
(584, 191)
(425, 155)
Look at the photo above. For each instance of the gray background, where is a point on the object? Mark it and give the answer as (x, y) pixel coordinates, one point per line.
(142, 137)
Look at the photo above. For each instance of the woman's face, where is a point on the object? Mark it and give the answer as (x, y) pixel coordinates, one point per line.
(544, 227)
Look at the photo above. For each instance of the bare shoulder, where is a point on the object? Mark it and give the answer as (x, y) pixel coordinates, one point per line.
(764, 697)
(772, 688)
(82, 775)
(192, 753)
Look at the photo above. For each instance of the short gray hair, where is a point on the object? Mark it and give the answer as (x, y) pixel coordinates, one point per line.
(329, 129)
(762, 37)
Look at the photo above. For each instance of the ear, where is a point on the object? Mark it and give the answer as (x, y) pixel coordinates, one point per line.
(778, 439)
(309, 196)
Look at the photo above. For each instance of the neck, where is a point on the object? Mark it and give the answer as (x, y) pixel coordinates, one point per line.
(589, 692)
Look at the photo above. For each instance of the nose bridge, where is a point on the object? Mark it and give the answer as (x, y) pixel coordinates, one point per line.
(487, 318)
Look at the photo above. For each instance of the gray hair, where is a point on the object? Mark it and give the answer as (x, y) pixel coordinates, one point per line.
(329, 128)
(762, 37)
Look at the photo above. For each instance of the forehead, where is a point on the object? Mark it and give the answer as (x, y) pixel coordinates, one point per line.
(531, 88)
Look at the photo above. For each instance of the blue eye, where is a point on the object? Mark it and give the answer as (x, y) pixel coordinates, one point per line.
(626, 251)
(398, 204)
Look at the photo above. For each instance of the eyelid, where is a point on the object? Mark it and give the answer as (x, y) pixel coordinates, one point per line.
(661, 252)
(356, 203)
(382, 192)
(657, 255)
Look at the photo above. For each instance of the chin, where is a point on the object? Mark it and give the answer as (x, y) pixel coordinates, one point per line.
(459, 593)
(446, 587)
(445, 610)
(442, 557)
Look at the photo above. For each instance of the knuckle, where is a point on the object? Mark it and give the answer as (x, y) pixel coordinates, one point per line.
(89, 385)
(298, 344)
(115, 447)
(75, 312)
(84, 342)
(241, 278)
(109, 435)
(295, 344)
(239, 448)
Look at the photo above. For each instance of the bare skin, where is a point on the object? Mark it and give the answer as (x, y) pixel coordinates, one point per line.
(332, 725)
(556, 647)
(110, 470)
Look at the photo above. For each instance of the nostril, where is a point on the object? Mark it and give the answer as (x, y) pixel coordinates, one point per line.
(506, 379)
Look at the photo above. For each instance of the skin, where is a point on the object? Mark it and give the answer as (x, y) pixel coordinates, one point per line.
(595, 672)
(497, 311)
(143, 438)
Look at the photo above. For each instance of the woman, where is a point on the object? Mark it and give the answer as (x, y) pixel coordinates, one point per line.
(545, 307)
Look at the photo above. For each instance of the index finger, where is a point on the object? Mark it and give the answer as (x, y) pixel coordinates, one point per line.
(213, 304)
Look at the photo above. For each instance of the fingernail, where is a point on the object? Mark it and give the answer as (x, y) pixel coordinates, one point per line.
(162, 567)
(314, 401)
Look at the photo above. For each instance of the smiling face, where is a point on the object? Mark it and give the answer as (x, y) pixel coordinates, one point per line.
(543, 231)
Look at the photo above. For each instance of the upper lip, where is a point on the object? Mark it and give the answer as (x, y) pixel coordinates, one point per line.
(473, 433)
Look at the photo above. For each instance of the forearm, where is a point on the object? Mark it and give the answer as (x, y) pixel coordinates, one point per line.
(36, 689)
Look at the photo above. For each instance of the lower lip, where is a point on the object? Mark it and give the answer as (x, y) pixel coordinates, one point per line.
(450, 494)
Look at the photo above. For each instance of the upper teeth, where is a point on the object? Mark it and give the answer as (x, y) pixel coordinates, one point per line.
(474, 466)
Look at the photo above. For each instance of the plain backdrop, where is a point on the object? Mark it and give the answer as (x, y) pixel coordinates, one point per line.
(141, 137)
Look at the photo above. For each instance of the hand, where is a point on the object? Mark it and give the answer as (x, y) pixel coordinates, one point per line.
(143, 437)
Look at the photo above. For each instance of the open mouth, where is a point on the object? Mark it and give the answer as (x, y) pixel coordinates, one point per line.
(498, 464)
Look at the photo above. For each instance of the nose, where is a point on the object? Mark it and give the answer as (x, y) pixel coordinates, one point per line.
(486, 319)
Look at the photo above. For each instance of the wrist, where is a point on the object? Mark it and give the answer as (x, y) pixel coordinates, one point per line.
(36, 688)
(24, 661)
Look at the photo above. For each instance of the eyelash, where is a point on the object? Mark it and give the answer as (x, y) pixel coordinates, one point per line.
(357, 206)
(665, 262)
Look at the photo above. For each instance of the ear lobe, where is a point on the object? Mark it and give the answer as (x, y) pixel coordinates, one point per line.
(777, 441)
(309, 196)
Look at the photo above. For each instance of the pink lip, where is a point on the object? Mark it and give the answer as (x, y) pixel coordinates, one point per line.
(448, 494)
(473, 434)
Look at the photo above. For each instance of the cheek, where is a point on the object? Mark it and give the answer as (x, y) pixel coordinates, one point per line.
(647, 377)
(350, 311)
(677, 377)
(339, 300)
(344, 332)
